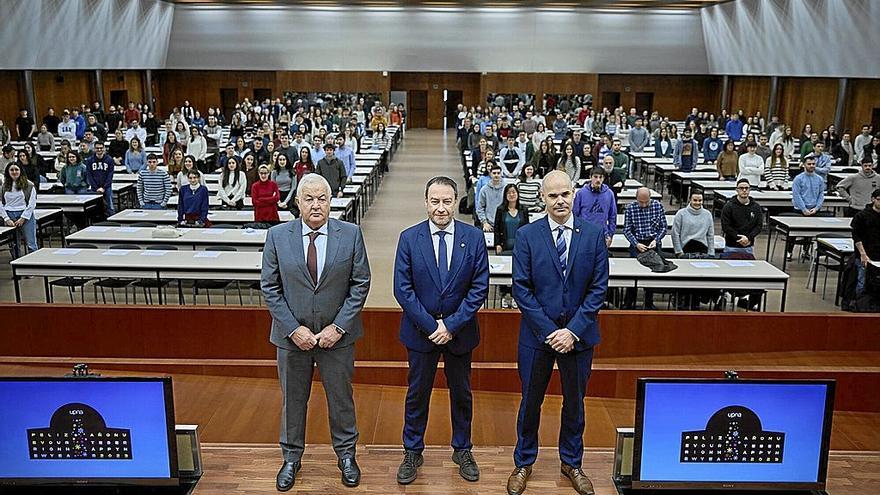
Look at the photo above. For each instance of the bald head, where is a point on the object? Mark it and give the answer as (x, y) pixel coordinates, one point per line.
(558, 195)
(643, 196)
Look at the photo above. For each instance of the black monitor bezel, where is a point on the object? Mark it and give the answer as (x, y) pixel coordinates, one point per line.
(821, 477)
(174, 476)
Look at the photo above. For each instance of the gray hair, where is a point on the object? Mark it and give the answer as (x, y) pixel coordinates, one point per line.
(311, 180)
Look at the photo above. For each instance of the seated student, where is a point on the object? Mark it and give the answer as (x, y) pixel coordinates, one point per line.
(529, 189)
(73, 174)
(233, 184)
(490, 197)
(509, 217)
(18, 199)
(192, 205)
(693, 234)
(596, 204)
(153, 185)
(265, 196)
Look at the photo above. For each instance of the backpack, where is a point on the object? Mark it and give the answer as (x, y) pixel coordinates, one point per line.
(463, 207)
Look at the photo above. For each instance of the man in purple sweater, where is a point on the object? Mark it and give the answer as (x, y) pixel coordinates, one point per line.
(596, 204)
(99, 175)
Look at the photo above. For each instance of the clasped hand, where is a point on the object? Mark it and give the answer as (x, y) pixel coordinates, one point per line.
(306, 340)
(441, 335)
(562, 340)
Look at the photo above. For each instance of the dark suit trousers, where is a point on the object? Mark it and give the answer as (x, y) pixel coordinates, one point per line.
(422, 368)
(535, 369)
(295, 371)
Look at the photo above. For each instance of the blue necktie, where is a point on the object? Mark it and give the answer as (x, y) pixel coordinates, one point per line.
(441, 257)
(561, 248)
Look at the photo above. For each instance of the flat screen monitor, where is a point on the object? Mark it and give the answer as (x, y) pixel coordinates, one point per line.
(102, 431)
(732, 434)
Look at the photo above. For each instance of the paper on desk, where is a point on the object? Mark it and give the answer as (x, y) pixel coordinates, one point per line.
(99, 228)
(496, 266)
(154, 252)
(207, 254)
(66, 251)
(739, 263)
(127, 229)
(116, 252)
(212, 231)
(704, 264)
(137, 213)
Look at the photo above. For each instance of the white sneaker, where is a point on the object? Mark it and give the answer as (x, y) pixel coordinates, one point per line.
(513, 304)
(505, 302)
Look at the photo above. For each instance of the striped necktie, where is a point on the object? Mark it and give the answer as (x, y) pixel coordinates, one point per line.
(561, 248)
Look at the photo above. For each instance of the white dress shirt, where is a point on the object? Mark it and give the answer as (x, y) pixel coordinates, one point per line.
(449, 239)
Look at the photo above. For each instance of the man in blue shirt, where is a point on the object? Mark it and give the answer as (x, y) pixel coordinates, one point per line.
(644, 225)
(734, 128)
(345, 154)
(807, 195)
(823, 160)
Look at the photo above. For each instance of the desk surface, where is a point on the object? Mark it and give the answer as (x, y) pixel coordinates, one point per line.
(144, 235)
(778, 196)
(843, 246)
(818, 224)
(217, 216)
(138, 261)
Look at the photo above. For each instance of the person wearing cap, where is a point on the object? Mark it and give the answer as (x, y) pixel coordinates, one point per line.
(331, 168)
(857, 188)
(866, 236)
(751, 165)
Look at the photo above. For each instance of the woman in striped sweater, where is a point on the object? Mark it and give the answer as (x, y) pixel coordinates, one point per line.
(776, 168)
(529, 188)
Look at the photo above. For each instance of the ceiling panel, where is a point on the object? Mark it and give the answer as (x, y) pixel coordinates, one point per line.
(603, 4)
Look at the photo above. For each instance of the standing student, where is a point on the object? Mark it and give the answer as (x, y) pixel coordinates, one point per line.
(192, 205)
(265, 196)
(73, 174)
(560, 276)
(597, 205)
(99, 174)
(441, 278)
(233, 185)
(153, 185)
(776, 168)
(315, 279)
(285, 177)
(751, 165)
(17, 204)
(857, 188)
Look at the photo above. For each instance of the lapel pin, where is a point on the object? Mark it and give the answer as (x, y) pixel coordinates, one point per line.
(462, 244)
(577, 230)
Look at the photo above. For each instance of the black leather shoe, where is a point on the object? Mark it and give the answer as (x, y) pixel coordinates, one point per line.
(351, 473)
(409, 468)
(467, 466)
(287, 476)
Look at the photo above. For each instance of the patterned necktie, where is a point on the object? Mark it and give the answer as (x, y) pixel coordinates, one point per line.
(441, 257)
(561, 248)
(312, 259)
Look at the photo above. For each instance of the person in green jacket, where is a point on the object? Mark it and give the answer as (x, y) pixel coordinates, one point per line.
(73, 175)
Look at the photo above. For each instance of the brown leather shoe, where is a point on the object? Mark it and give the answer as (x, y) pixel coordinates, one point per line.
(579, 480)
(516, 484)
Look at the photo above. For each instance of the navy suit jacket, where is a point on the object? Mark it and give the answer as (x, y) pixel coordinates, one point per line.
(548, 301)
(418, 291)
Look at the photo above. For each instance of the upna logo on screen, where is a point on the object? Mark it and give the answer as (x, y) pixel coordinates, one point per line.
(78, 432)
(733, 434)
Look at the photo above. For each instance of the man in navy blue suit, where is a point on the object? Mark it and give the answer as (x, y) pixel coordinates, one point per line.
(441, 277)
(560, 275)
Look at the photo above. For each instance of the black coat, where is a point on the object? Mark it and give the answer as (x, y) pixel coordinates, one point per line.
(500, 231)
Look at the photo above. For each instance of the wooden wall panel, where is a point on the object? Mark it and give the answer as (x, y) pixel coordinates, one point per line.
(12, 98)
(863, 98)
(749, 94)
(673, 95)
(336, 82)
(62, 89)
(538, 84)
(803, 100)
(202, 88)
(434, 83)
(129, 80)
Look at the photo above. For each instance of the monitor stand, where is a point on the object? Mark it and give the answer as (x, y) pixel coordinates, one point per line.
(185, 488)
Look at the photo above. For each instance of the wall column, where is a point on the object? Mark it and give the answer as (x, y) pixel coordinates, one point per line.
(148, 83)
(30, 101)
(725, 92)
(771, 98)
(841, 102)
(99, 88)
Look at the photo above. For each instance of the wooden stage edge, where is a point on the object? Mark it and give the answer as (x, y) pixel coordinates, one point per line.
(246, 469)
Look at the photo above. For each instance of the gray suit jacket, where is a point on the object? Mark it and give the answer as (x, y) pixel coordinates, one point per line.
(294, 300)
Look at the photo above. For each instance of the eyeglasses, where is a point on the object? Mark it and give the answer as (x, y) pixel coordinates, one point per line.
(743, 188)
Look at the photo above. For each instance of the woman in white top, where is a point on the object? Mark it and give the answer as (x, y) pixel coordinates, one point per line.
(233, 185)
(380, 137)
(182, 132)
(570, 163)
(189, 163)
(751, 166)
(198, 147)
(540, 134)
(17, 204)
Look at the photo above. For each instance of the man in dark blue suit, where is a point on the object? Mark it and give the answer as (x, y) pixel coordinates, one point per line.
(441, 277)
(560, 275)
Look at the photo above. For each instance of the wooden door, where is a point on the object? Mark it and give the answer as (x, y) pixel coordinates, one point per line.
(417, 103)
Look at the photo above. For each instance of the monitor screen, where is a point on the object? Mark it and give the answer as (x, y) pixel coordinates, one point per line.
(87, 430)
(734, 434)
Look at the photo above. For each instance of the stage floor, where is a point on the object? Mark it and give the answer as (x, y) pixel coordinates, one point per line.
(250, 469)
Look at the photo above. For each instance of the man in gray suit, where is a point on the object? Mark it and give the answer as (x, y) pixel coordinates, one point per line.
(315, 280)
